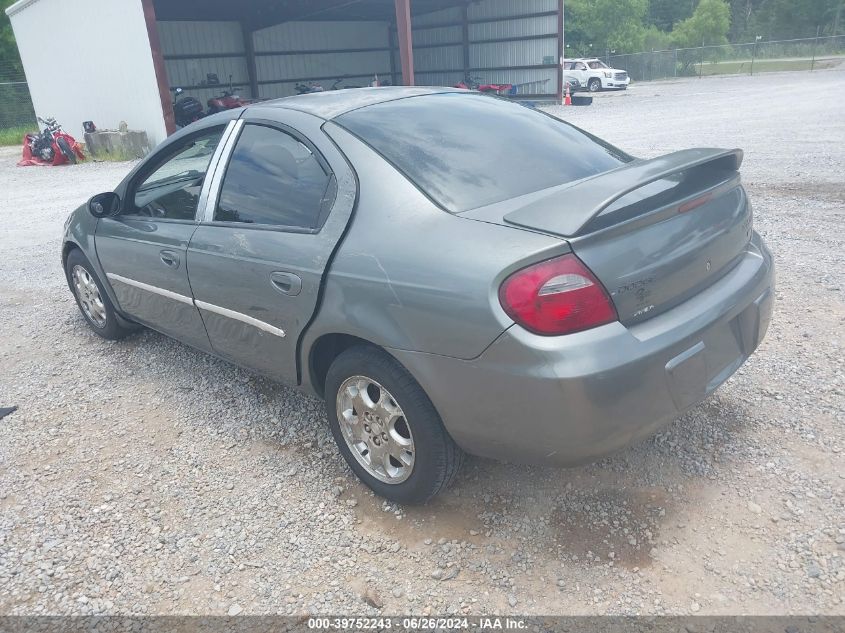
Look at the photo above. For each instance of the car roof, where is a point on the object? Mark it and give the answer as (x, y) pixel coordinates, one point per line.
(332, 103)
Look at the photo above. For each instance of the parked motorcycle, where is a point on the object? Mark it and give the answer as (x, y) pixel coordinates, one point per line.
(51, 146)
(186, 109)
(229, 100)
(336, 85)
(303, 88)
(474, 83)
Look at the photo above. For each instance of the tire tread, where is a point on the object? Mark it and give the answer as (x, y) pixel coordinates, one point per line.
(452, 457)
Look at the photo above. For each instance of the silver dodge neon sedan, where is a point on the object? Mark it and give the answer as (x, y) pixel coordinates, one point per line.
(450, 271)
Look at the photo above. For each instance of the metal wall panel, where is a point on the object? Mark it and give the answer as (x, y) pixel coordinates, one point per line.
(440, 58)
(280, 89)
(424, 78)
(307, 65)
(192, 72)
(199, 38)
(315, 36)
(452, 14)
(514, 28)
(508, 8)
(202, 39)
(527, 53)
(437, 66)
(444, 35)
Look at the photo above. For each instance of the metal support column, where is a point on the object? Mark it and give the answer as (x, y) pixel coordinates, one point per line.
(159, 67)
(560, 51)
(406, 40)
(249, 50)
(465, 38)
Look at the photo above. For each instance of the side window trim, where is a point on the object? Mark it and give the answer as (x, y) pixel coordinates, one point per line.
(215, 183)
(220, 172)
(138, 179)
(205, 193)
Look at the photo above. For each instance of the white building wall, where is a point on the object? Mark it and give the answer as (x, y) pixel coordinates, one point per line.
(107, 74)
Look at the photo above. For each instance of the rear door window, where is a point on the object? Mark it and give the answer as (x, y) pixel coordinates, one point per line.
(467, 151)
(273, 179)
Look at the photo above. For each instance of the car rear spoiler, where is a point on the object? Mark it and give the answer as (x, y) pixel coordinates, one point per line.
(568, 210)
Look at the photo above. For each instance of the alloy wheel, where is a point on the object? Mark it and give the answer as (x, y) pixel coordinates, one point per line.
(375, 429)
(89, 296)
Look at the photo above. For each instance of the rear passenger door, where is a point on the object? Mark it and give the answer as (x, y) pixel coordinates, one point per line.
(280, 202)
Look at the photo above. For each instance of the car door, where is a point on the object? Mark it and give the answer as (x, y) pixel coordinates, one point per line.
(143, 249)
(280, 202)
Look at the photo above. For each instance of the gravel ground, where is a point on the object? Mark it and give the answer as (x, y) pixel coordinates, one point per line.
(145, 477)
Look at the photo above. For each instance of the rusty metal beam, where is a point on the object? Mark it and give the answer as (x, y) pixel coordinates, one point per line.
(560, 51)
(159, 67)
(249, 50)
(406, 40)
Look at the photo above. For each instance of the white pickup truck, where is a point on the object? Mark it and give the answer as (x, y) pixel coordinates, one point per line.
(595, 75)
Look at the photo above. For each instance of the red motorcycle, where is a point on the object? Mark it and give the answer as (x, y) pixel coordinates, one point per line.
(52, 146)
(229, 100)
(474, 83)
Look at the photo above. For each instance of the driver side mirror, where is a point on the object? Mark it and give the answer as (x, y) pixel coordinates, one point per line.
(104, 205)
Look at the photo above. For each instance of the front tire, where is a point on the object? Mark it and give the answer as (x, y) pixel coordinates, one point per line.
(387, 429)
(67, 150)
(93, 302)
(594, 85)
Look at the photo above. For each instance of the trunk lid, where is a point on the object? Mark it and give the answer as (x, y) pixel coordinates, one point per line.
(654, 232)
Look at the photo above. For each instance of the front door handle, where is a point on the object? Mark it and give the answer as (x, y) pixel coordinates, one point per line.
(169, 258)
(286, 283)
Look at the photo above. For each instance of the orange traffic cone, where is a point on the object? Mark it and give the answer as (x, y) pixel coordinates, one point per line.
(568, 99)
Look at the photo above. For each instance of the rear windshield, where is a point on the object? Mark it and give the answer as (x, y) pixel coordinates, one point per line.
(466, 151)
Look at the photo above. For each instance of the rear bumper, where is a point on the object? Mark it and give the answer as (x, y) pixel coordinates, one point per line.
(575, 398)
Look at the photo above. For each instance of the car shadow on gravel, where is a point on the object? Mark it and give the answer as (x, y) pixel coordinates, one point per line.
(610, 511)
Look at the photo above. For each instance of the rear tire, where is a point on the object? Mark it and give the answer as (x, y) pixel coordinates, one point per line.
(92, 300)
(394, 407)
(594, 84)
(67, 150)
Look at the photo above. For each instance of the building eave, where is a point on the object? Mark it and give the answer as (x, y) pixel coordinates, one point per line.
(19, 6)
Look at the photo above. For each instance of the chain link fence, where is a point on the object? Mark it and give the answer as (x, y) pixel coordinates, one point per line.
(17, 115)
(733, 59)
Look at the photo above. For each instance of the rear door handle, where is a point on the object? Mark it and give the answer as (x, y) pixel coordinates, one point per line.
(169, 258)
(286, 283)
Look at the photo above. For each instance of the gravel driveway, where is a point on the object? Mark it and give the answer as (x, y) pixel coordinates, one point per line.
(145, 477)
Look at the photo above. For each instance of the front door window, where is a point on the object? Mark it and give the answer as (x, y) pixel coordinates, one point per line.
(173, 188)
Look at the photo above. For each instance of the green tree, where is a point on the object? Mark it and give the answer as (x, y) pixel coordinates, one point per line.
(10, 61)
(709, 25)
(665, 14)
(783, 19)
(609, 24)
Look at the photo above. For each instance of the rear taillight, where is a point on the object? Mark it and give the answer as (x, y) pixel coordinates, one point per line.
(558, 296)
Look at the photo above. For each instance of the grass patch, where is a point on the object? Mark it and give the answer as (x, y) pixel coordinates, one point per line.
(765, 66)
(12, 136)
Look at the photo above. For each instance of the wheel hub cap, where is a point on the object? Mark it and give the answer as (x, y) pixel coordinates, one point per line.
(89, 296)
(375, 429)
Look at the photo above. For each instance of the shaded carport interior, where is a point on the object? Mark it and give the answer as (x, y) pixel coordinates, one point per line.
(266, 47)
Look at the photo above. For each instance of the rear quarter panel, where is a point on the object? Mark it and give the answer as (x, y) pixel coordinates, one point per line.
(411, 276)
